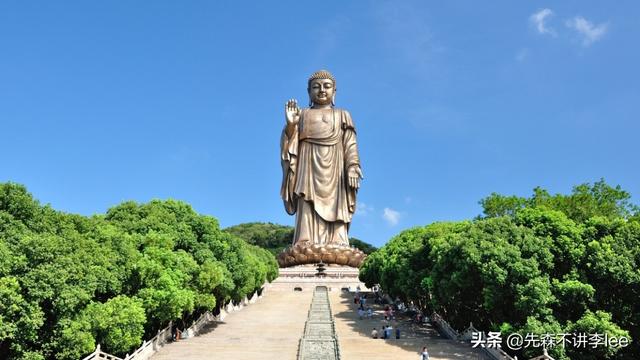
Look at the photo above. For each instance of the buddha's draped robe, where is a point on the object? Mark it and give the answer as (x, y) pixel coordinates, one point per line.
(315, 187)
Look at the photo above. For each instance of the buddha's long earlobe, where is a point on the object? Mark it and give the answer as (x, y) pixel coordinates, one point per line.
(310, 103)
(333, 100)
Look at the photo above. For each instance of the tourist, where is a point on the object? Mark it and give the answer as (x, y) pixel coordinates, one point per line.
(424, 354)
(369, 312)
(397, 332)
(384, 332)
(374, 333)
(389, 331)
(360, 313)
(175, 332)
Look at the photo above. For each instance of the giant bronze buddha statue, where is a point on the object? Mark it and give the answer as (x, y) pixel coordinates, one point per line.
(321, 177)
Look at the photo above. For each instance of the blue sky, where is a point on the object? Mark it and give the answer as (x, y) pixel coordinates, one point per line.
(102, 102)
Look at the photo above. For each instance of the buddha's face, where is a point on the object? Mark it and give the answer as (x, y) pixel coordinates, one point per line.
(321, 91)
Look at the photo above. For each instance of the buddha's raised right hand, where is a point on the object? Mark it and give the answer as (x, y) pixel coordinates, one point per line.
(292, 112)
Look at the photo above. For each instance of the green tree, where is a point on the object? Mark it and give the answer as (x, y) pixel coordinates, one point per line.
(544, 264)
(496, 205)
(584, 202)
(68, 281)
(600, 323)
(20, 319)
(118, 325)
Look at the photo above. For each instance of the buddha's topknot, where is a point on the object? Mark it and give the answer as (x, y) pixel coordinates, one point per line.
(322, 74)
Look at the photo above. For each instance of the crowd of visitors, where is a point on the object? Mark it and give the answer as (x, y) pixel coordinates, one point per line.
(390, 327)
(387, 330)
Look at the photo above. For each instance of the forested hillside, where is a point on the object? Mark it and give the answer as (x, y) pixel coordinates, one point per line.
(272, 237)
(544, 264)
(275, 238)
(68, 282)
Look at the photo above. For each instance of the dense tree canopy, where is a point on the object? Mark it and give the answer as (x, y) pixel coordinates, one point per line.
(275, 237)
(545, 264)
(68, 282)
(584, 202)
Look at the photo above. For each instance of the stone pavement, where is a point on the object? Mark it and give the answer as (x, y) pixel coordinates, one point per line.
(354, 336)
(268, 329)
(319, 340)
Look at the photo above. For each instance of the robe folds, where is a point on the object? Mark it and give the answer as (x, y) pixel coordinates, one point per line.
(315, 161)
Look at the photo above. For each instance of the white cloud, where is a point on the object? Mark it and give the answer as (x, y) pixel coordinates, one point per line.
(538, 20)
(364, 209)
(391, 216)
(590, 33)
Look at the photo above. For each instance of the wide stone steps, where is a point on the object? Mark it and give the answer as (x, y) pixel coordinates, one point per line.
(269, 329)
(273, 326)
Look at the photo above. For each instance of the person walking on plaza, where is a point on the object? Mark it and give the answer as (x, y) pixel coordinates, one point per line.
(397, 332)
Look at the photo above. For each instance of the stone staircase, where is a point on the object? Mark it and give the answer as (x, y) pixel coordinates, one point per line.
(309, 325)
(269, 329)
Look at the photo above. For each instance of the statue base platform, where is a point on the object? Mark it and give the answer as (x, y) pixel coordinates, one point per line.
(301, 254)
(303, 278)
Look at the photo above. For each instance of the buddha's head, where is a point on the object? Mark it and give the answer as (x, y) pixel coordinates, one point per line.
(322, 88)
